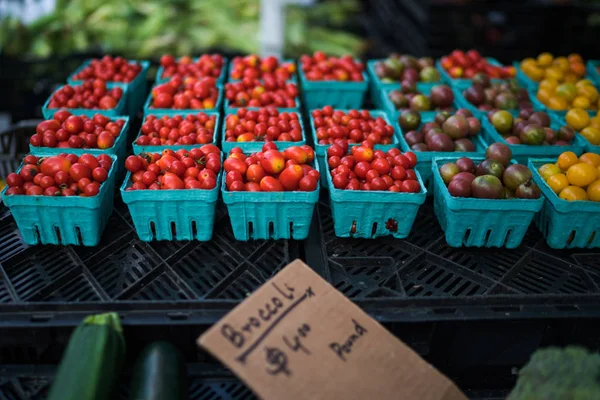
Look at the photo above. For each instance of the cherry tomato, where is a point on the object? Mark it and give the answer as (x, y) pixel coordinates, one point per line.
(253, 187)
(14, 179)
(80, 170)
(28, 172)
(290, 177)
(411, 186)
(99, 174)
(89, 160)
(34, 190)
(133, 164)
(270, 184)
(236, 186)
(410, 174)
(234, 164)
(308, 183)
(362, 153)
(52, 165)
(172, 181)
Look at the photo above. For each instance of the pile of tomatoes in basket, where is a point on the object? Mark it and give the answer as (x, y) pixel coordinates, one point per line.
(188, 93)
(262, 125)
(205, 65)
(368, 169)
(110, 69)
(256, 93)
(197, 168)
(91, 94)
(271, 170)
(74, 131)
(61, 175)
(353, 126)
(166, 130)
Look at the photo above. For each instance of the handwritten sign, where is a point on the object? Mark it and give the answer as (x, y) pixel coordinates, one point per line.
(297, 337)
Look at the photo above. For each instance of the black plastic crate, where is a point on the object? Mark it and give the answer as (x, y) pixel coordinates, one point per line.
(33, 382)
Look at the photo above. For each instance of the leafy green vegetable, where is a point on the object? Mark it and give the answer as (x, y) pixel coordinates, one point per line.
(143, 28)
(571, 373)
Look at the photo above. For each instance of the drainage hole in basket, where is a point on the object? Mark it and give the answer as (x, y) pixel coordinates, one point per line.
(250, 229)
(571, 237)
(173, 229)
(271, 229)
(487, 236)
(591, 239)
(466, 237)
(291, 229)
(353, 228)
(36, 232)
(78, 235)
(374, 229)
(57, 233)
(194, 229)
(153, 229)
(507, 237)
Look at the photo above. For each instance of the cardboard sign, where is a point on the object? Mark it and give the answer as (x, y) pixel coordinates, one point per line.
(297, 337)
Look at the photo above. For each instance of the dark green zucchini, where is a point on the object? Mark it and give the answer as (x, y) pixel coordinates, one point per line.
(159, 374)
(90, 367)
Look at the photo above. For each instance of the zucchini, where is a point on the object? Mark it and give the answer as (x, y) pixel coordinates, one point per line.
(159, 374)
(90, 366)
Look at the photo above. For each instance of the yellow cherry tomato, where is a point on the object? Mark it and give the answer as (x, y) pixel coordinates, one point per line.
(547, 170)
(592, 135)
(590, 158)
(566, 159)
(577, 118)
(581, 174)
(593, 191)
(558, 182)
(573, 193)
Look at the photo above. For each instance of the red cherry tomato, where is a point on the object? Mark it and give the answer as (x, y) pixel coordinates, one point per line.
(270, 184)
(172, 181)
(308, 183)
(80, 170)
(52, 165)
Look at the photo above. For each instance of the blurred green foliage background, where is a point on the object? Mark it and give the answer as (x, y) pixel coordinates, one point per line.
(146, 29)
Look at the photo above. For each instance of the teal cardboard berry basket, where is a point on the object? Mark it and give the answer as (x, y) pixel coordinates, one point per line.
(220, 79)
(136, 89)
(565, 224)
(252, 147)
(371, 214)
(391, 111)
(475, 222)
(119, 110)
(321, 149)
(186, 214)
(523, 152)
(119, 148)
(72, 220)
(461, 82)
(376, 86)
(317, 94)
(159, 112)
(425, 158)
(137, 148)
(270, 215)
